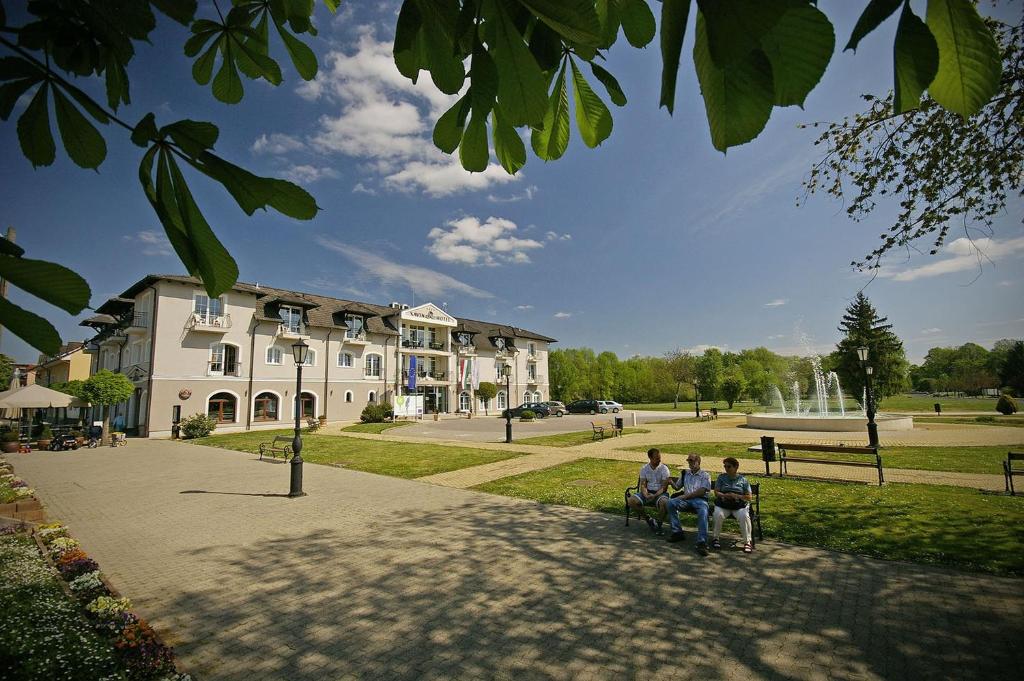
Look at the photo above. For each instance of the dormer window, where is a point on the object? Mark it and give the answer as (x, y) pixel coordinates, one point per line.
(354, 327)
(291, 318)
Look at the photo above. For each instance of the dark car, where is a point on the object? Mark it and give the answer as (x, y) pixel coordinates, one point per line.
(583, 407)
(538, 408)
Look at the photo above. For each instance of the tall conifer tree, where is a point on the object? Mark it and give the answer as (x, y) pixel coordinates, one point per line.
(861, 325)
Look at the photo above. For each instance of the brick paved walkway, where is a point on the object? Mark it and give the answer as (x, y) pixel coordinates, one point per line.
(380, 578)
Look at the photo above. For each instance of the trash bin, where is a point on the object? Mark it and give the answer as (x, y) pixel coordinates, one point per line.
(175, 431)
(714, 412)
(767, 448)
(938, 408)
(619, 423)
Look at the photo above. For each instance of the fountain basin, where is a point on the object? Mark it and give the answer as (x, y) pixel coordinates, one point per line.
(829, 424)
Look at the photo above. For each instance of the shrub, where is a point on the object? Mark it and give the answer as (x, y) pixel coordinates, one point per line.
(9, 436)
(197, 425)
(1006, 405)
(376, 413)
(46, 433)
(984, 419)
(528, 415)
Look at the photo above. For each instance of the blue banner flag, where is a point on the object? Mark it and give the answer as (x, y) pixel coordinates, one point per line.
(412, 372)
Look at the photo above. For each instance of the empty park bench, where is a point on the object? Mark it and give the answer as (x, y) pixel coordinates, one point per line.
(784, 457)
(754, 506)
(601, 427)
(1010, 470)
(282, 445)
(708, 416)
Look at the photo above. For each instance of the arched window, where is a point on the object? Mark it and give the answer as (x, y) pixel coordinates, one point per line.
(502, 402)
(371, 397)
(464, 401)
(222, 407)
(345, 359)
(536, 396)
(308, 405)
(373, 366)
(348, 395)
(266, 407)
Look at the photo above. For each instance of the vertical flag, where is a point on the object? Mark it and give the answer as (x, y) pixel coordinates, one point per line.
(412, 372)
(476, 375)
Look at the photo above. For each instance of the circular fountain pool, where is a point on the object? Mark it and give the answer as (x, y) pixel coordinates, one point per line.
(830, 423)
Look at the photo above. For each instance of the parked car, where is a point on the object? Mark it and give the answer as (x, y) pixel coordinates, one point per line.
(582, 407)
(538, 408)
(556, 408)
(605, 406)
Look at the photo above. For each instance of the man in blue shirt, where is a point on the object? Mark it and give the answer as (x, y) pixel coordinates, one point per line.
(696, 484)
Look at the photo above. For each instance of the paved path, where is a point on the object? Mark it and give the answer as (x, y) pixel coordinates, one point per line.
(380, 578)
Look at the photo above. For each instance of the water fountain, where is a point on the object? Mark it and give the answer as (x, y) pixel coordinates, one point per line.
(818, 413)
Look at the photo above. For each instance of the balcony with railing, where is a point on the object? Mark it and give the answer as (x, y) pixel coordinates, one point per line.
(205, 321)
(536, 379)
(137, 323)
(431, 376)
(292, 330)
(221, 368)
(113, 336)
(356, 337)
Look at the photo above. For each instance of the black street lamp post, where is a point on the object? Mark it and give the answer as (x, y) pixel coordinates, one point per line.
(299, 352)
(507, 372)
(696, 397)
(869, 407)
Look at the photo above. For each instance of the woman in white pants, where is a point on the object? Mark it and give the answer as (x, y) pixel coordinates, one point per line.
(732, 498)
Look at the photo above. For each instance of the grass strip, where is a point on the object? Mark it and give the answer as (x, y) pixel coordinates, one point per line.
(397, 459)
(958, 459)
(376, 428)
(929, 524)
(894, 403)
(580, 437)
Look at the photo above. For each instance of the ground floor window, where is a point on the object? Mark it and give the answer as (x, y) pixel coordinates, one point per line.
(502, 402)
(463, 401)
(308, 405)
(266, 407)
(222, 407)
(348, 395)
(371, 397)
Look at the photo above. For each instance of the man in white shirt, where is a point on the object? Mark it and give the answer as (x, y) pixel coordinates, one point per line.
(654, 479)
(696, 485)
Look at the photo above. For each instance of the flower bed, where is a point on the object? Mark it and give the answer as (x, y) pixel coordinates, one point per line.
(59, 618)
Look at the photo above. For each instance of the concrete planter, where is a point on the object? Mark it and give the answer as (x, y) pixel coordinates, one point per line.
(43, 444)
(10, 447)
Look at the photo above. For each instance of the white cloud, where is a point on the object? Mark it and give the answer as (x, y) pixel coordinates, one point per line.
(526, 195)
(562, 315)
(555, 236)
(776, 336)
(361, 188)
(964, 255)
(931, 330)
(387, 120)
(524, 307)
(778, 302)
(422, 280)
(151, 242)
(277, 143)
(469, 241)
(704, 347)
(304, 174)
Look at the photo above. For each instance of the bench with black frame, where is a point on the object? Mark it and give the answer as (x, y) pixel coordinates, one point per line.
(600, 428)
(282, 445)
(1010, 470)
(784, 457)
(754, 505)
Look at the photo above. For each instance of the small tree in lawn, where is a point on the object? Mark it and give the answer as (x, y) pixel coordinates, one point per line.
(733, 385)
(105, 389)
(487, 392)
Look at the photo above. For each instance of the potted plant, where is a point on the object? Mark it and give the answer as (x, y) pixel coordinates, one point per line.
(79, 437)
(323, 420)
(9, 440)
(45, 435)
(527, 415)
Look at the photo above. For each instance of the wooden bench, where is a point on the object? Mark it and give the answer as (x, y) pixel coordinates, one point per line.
(784, 457)
(600, 427)
(754, 506)
(1009, 470)
(707, 416)
(282, 445)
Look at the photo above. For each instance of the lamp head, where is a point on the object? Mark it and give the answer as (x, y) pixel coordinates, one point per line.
(862, 353)
(299, 352)
(870, 369)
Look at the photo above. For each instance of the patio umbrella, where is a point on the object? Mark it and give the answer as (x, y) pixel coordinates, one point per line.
(38, 397)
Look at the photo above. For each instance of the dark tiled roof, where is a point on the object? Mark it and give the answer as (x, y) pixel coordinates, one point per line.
(324, 311)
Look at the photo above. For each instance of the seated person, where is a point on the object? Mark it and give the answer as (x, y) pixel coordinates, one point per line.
(732, 495)
(695, 484)
(654, 477)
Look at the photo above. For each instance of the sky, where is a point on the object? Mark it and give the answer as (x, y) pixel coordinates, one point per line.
(651, 242)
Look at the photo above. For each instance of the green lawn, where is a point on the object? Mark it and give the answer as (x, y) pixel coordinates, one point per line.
(951, 526)
(399, 459)
(960, 459)
(580, 437)
(376, 428)
(1014, 421)
(895, 403)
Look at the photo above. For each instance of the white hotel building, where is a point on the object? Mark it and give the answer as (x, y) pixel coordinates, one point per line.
(231, 357)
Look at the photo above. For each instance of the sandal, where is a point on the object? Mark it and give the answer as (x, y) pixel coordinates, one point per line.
(748, 548)
(715, 544)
